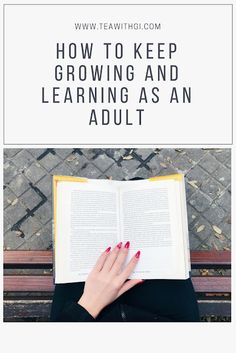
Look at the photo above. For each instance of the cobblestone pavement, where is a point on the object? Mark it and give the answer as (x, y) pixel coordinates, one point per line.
(28, 193)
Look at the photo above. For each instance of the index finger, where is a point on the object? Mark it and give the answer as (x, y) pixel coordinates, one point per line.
(101, 260)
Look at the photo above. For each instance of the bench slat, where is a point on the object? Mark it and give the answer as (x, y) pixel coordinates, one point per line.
(40, 309)
(209, 284)
(212, 257)
(46, 257)
(212, 284)
(28, 283)
(25, 309)
(32, 257)
(214, 307)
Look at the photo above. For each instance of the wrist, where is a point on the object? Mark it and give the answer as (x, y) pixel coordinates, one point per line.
(90, 307)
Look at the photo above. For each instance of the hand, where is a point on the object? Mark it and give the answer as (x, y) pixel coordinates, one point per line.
(107, 280)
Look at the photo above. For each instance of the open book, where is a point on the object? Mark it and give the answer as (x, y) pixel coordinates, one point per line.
(90, 215)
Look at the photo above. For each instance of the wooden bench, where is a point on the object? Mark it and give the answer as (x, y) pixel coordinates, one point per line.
(28, 284)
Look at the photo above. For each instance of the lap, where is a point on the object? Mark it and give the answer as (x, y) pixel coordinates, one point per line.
(175, 299)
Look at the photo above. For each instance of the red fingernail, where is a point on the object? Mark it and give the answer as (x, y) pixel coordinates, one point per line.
(119, 245)
(127, 244)
(137, 254)
(108, 249)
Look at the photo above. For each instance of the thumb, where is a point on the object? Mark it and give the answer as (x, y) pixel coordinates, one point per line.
(128, 285)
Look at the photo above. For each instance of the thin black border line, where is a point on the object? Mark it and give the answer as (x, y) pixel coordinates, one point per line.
(232, 69)
(84, 4)
(3, 74)
(117, 144)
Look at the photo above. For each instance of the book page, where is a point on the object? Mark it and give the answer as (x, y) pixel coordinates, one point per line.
(151, 220)
(87, 223)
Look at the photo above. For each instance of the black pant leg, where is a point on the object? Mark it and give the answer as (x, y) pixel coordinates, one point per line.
(62, 294)
(173, 299)
(68, 292)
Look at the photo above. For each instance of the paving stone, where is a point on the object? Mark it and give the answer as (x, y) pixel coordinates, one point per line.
(78, 151)
(193, 215)
(190, 190)
(44, 212)
(228, 218)
(215, 214)
(30, 199)
(218, 244)
(212, 188)
(228, 163)
(197, 174)
(46, 235)
(144, 153)
(50, 161)
(6, 223)
(115, 153)
(9, 197)
(36, 152)
(224, 201)
(76, 162)
(198, 225)
(63, 152)
(223, 175)
(15, 213)
(23, 159)
(183, 163)
(199, 201)
(62, 169)
(103, 177)
(221, 154)
(30, 227)
(32, 243)
(90, 171)
(225, 226)
(129, 167)
(115, 172)
(204, 246)
(12, 241)
(168, 154)
(195, 154)
(143, 173)
(19, 185)
(45, 185)
(35, 172)
(180, 151)
(11, 152)
(168, 170)
(194, 241)
(209, 163)
(154, 164)
(103, 162)
(10, 171)
(91, 153)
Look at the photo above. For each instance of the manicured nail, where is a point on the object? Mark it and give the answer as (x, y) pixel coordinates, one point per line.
(108, 249)
(137, 254)
(127, 244)
(141, 281)
(119, 245)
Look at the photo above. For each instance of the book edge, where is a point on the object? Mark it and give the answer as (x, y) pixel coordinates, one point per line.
(56, 179)
(177, 177)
